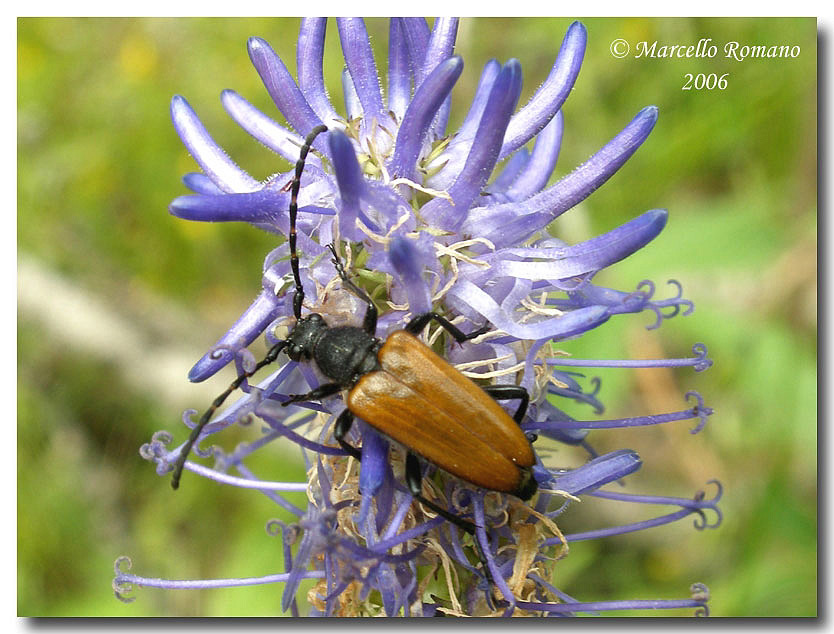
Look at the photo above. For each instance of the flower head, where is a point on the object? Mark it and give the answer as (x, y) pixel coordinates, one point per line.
(426, 220)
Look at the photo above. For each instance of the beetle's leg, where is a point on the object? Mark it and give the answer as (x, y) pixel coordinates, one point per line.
(417, 323)
(369, 323)
(528, 484)
(508, 392)
(322, 391)
(414, 480)
(341, 429)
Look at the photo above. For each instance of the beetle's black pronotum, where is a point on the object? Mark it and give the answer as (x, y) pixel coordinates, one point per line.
(402, 389)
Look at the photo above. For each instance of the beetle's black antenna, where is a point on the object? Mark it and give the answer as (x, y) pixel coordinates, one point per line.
(195, 433)
(298, 299)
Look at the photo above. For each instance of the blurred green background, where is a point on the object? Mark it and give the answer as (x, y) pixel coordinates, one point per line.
(117, 299)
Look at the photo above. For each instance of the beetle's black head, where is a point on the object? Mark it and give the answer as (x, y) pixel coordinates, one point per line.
(302, 339)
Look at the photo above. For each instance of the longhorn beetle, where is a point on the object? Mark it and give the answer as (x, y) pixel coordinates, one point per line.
(405, 391)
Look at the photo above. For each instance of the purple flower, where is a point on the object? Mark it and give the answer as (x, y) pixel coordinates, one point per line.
(427, 219)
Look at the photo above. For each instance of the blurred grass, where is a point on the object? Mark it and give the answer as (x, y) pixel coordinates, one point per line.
(99, 161)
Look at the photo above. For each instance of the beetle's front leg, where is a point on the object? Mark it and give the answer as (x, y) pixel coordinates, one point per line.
(322, 391)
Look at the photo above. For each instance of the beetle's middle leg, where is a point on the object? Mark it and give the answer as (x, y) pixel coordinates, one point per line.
(342, 427)
(498, 392)
(509, 392)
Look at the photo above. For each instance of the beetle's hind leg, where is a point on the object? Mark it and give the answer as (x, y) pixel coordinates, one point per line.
(413, 473)
(414, 480)
(369, 323)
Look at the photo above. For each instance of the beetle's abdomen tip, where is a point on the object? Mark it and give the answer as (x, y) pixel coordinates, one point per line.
(528, 485)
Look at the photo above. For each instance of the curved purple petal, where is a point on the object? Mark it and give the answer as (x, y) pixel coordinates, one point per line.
(418, 117)
(399, 71)
(199, 183)
(361, 66)
(542, 161)
(454, 156)
(467, 295)
(209, 156)
(276, 137)
(483, 153)
(374, 461)
(441, 46)
(408, 264)
(473, 117)
(584, 257)
(244, 331)
(350, 180)
(550, 96)
(513, 223)
(598, 472)
(282, 88)
(416, 34)
(309, 57)
(257, 207)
